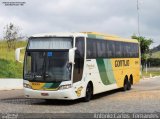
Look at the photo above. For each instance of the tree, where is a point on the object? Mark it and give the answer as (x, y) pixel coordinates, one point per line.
(144, 45)
(11, 35)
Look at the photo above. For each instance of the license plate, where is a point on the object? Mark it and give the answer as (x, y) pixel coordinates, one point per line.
(44, 94)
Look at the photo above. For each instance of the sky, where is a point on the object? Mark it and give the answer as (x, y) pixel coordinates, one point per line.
(118, 17)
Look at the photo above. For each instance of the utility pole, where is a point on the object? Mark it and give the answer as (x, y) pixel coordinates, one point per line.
(138, 26)
(138, 17)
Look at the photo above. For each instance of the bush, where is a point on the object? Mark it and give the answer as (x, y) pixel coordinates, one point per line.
(10, 69)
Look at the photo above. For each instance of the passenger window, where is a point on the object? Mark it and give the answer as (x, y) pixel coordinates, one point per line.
(91, 48)
(101, 52)
(118, 52)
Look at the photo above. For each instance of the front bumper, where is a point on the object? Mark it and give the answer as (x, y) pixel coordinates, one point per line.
(66, 94)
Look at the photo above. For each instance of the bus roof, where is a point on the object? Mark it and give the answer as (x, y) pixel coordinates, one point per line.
(109, 37)
(63, 34)
(86, 34)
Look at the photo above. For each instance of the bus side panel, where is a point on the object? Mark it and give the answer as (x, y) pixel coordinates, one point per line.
(96, 73)
(106, 78)
(126, 67)
(109, 74)
(92, 73)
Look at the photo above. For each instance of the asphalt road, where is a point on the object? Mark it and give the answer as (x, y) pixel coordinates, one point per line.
(144, 97)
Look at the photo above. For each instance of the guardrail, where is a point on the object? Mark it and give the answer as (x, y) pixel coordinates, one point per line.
(10, 84)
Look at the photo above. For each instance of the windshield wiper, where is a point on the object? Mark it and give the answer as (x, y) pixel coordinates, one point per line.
(38, 76)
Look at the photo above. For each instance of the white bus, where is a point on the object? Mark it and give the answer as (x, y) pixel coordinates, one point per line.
(78, 65)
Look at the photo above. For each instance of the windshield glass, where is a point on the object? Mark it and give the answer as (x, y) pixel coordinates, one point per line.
(47, 66)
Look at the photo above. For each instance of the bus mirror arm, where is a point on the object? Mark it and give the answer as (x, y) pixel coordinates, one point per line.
(17, 54)
(71, 55)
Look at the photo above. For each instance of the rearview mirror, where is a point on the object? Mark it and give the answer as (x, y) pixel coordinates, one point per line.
(71, 55)
(17, 54)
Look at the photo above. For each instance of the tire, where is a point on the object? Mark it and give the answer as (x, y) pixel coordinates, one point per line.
(89, 93)
(129, 85)
(125, 86)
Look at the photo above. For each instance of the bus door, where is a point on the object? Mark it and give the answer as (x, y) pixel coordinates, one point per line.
(79, 59)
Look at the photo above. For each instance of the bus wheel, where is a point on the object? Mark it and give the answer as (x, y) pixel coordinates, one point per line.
(125, 86)
(89, 93)
(129, 85)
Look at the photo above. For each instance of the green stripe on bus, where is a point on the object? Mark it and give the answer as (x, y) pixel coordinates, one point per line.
(109, 70)
(52, 85)
(95, 36)
(47, 85)
(99, 37)
(102, 71)
(55, 85)
(91, 36)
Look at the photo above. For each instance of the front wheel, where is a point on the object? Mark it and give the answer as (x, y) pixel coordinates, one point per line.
(89, 93)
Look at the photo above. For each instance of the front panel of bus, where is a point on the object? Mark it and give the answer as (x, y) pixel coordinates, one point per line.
(47, 73)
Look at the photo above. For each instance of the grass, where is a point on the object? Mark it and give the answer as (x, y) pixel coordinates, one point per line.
(9, 68)
(150, 74)
(9, 54)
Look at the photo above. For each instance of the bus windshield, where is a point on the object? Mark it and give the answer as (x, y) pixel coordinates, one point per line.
(49, 66)
(46, 59)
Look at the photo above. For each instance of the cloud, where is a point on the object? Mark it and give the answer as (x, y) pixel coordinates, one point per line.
(109, 16)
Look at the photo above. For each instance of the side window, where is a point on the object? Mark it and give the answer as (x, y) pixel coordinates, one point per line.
(135, 50)
(106, 48)
(130, 50)
(111, 49)
(125, 50)
(91, 48)
(101, 49)
(118, 51)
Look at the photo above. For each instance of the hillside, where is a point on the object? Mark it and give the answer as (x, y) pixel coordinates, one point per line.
(156, 54)
(156, 49)
(9, 68)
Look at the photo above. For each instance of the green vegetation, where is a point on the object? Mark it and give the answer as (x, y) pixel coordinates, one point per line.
(155, 49)
(9, 68)
(9, 54)
(150, 74)
(144, 44)
(155, 55)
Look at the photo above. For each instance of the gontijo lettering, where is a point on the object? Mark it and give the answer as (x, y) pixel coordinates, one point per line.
(121, 63)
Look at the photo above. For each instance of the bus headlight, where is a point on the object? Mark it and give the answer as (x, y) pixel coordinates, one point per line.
(65, 86)
(26, 85)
